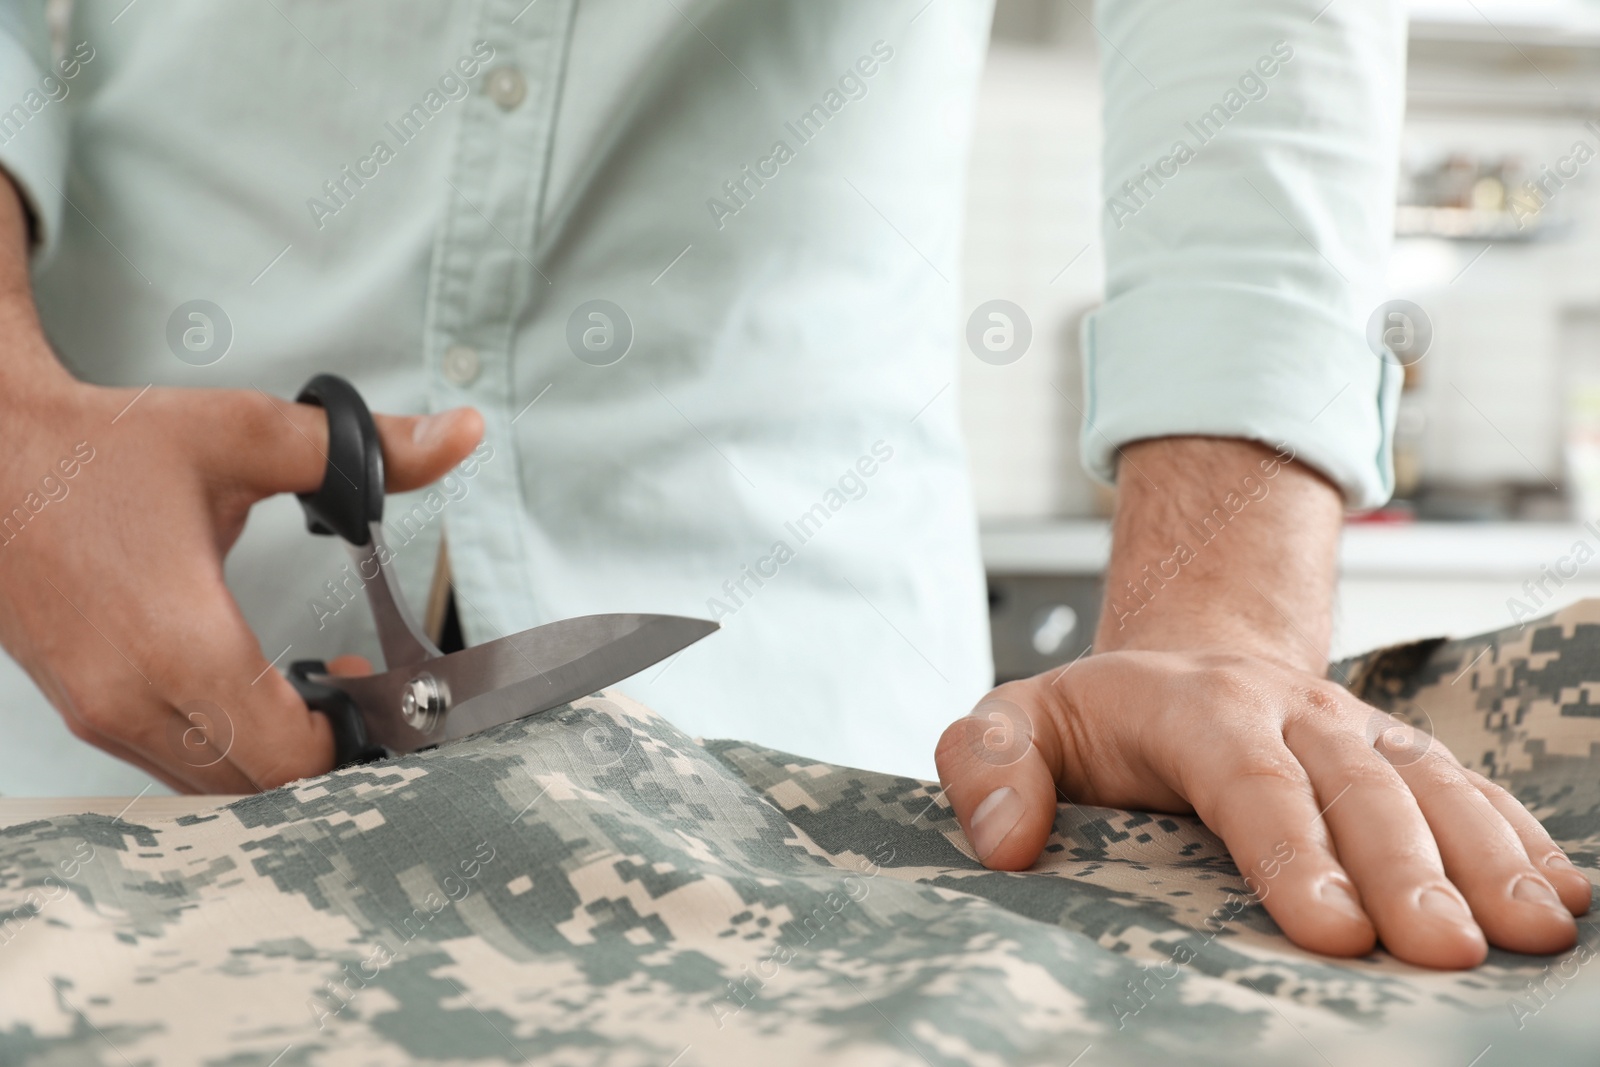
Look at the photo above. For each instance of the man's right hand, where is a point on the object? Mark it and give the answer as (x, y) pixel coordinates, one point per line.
(111, 581)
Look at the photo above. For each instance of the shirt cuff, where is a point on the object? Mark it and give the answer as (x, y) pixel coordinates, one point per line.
(33, 133)
(1298, 379)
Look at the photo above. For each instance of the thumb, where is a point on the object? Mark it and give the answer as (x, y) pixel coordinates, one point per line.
(997, 778)
(350, 666)
(284, 445)
(421, 449)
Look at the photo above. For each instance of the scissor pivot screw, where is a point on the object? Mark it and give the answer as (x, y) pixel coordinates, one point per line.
(422, 703)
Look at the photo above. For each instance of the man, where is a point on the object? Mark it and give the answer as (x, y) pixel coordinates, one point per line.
(691, 267)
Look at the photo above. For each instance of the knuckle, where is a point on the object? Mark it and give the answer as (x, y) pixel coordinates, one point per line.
(1230, 683)
(1489, 787)
(78, 706)
(94, 719)
(1433, 774)
(1405, 743)
(1261, 767)
(1370, 775)
(1218, 788)
(80, 729)
(1324, 698)
(1251, 681)
(999, 731)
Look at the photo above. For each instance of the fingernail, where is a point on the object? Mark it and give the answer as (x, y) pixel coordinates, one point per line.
(1444, 904)
(994, 819)
(1558, 862)
(430, 429)
(1342, 898)
(1531, 890)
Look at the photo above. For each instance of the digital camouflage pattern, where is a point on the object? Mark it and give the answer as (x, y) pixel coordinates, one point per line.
(591, 886)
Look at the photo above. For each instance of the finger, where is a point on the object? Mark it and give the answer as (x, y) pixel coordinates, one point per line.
(997, 780)
(350, 666)
(1261, 802)
(150, 734)
(62, 699)
(151, 704)
(1546, 856)
(1386, 844)
(419, 450)
(189, 748)
(1513, 903)
(111, 746)
(276, 446)
(198, 739)
(251, 712)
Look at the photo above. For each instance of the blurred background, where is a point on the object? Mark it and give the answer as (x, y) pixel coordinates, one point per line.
(1497, 450)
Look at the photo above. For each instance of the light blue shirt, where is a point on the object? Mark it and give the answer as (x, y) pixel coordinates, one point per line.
(755, 422)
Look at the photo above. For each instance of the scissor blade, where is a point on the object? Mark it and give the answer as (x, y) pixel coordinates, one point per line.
(521, 675)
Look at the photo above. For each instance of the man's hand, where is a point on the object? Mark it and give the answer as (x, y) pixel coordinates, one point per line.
(115, 516)
(1206, 694)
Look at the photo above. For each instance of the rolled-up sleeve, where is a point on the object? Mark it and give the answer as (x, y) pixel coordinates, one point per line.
(1250, 160)
(33, 128)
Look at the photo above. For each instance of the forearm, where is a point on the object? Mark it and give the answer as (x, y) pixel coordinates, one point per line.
(1221, 543)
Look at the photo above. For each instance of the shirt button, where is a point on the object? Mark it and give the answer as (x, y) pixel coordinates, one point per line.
(461, 364)
(505, 86)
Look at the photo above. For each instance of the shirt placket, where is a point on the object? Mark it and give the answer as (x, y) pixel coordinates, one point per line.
(484, 277)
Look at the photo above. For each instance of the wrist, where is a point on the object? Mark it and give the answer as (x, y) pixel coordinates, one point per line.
(1221, 545)
(1215, 629)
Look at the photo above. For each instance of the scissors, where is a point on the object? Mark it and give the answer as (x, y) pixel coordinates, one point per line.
(426, 696)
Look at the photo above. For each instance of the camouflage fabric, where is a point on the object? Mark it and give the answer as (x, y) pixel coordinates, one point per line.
(591, 886)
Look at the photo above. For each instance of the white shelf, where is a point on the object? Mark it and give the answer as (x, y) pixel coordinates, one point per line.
(1540, 23)
(1415, 550)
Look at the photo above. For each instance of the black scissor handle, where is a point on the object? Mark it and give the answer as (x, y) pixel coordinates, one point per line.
(350, 742)
(351, 495)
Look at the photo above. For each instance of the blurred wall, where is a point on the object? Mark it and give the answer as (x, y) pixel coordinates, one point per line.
(1516, 318)
(1033, 239)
